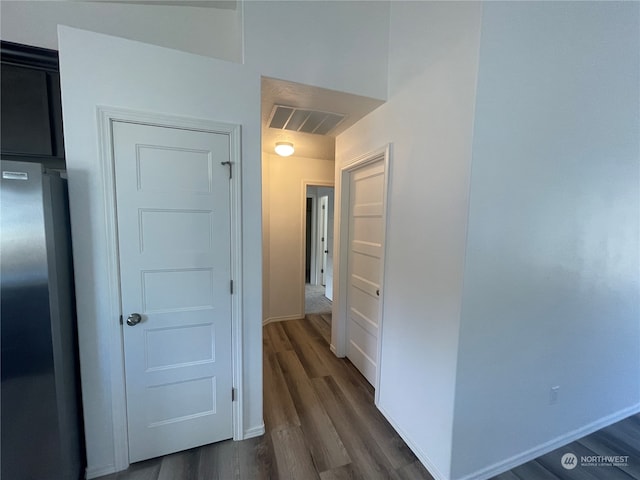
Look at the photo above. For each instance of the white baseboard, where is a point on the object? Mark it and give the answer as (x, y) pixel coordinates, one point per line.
(424, 459)
(551, 445)
(281, 319)
(519, 459)
(95, 472)
(333, 349)
(252, 432)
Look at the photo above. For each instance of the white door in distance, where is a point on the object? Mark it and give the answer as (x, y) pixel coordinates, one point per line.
(328, 292)
(173, 214)
(324, 242)
(366, 234)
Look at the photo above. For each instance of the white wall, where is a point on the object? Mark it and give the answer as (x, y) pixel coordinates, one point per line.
(580, 248)
(283, 248)
(154, 79)
(211, 32)
(551, 293)
(97, 69)
(551, 289)
(331, 44)
(428, 118)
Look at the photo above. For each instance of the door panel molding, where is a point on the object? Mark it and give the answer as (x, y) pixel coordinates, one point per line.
(106, 116)
(341, 313)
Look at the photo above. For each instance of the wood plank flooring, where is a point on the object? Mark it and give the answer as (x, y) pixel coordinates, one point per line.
(622, 438)
(321, 424)
(326, 404)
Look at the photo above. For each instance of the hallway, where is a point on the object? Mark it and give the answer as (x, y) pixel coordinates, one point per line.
(320, 414)
(315, 300)
(321, 423)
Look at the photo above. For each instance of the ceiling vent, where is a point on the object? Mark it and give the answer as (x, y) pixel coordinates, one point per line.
(304, 120)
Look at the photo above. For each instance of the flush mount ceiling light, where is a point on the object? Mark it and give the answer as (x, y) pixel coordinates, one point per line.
(284, 149)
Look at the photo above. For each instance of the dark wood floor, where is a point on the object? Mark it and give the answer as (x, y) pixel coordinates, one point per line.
(319, 411)
(321, 423)
(622, 438)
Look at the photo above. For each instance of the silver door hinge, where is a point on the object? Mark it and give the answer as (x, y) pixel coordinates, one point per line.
(231, 286)
(233, 394)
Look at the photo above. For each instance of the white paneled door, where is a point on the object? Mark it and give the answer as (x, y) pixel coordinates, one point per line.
(324, 241)
(328, 292)
(174, 244)
(366, 239)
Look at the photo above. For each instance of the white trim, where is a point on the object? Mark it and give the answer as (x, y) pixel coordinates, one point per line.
(235, 157)
(96, 472)
(106, 117)
(115, 341)
(284, 318)
(340, 306)
(551, 445)
(385, 220)
(313, 272)
(521, 458)
(424, 459)
(254, 432)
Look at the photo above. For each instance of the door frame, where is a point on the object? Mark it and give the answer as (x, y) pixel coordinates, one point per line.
(303, 215)
(323, 228)
(341, 313)
(313, 248)
(106, 116)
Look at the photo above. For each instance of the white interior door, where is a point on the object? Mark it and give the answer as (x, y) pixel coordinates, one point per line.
(366, 236)
(323, 239)
(174, 243)
(328, 292)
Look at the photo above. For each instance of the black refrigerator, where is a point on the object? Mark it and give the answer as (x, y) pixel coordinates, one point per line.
(40, 409)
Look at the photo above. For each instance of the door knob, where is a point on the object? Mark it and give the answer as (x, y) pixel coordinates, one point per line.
(134, 319)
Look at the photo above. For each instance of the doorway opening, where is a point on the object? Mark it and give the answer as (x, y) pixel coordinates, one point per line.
(293, 113)
(318, 249)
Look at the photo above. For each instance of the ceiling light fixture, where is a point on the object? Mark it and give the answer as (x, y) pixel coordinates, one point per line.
(284, 149)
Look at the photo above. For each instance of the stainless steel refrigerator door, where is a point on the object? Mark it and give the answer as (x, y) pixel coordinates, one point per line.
(29, 414)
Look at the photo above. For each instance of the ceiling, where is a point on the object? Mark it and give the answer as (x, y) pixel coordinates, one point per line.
(290, 94)
(228, 5)
(280, 92)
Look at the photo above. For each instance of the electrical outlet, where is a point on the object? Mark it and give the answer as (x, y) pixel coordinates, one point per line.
(553, 394)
